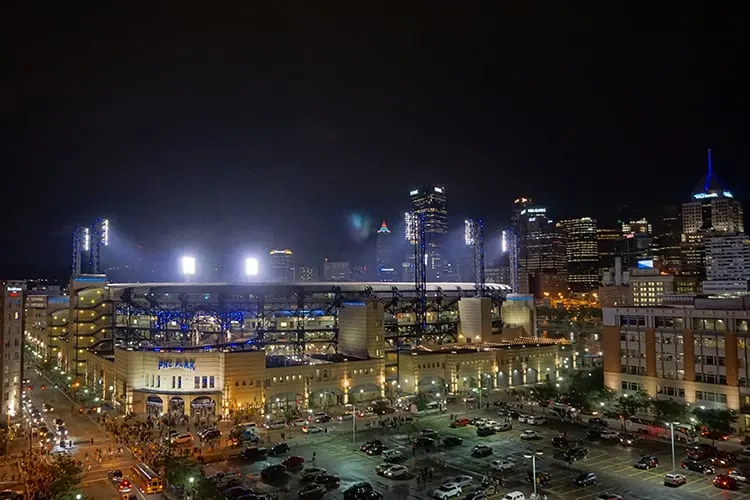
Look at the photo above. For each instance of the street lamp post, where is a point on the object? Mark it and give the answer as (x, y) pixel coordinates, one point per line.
(532, 455)
(671, 426)
(354, 425)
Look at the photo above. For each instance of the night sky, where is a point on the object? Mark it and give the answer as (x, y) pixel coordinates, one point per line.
(230, 131)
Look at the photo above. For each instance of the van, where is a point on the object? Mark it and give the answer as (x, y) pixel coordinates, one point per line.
(247, 425)
(514, 495)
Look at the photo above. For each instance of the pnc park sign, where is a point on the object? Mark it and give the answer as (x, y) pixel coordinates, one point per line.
(179, 364)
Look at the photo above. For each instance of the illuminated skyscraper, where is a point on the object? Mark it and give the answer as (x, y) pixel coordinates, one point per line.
(542, 255)
(282, 266)
(384, 266)
(582, 253)
(712, 210)
(11, 348)
(431, 201)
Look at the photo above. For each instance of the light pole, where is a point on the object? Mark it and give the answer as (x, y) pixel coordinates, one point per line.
(532, 455)
(354, 425)
(671, 427)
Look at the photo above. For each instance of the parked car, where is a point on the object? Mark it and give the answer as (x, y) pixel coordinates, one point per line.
(452, 441)
(447, 490)
(586, 479)
(278, 449)
(253, 453)
(502, 465)
(725, 482)
(646, 462)
(529, 435)
(293, 462)
(394, 456)
(674, 479)
(460, 422)
(697, 466)
(481, 450)
(485, 431)
(313, 490)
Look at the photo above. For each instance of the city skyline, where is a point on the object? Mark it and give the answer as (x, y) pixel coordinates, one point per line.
(192, 143)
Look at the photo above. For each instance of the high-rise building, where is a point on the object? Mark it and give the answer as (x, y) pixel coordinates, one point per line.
(606, 241)
(11, 347)
(430, 202)
(582, 253)
(667, 232)
(727, 264)
(542, 253)
(711, 210)
(337, 270)
(306, 273)
(384, 266)
(282, 266)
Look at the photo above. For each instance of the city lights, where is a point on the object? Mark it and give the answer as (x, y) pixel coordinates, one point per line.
(86, 240)
(251, 266)
(105, 232)
(188, 265)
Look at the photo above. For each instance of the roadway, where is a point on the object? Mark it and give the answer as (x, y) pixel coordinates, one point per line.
(82, 428)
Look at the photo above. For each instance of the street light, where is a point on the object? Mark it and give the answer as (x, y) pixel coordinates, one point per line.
(671, 426)
(532, 455)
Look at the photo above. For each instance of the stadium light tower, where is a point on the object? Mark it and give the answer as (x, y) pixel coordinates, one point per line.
(251, 266)
(188, 267)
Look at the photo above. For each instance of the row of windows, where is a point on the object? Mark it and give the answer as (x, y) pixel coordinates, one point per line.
(205, 382)
(631, 386)
(710, 360)
(711, 378)
(712, 397)
(711, 324)
(671, 391)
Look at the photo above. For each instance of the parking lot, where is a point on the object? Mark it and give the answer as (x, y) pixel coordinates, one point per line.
(613, 463)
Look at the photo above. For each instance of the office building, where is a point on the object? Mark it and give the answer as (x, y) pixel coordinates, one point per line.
(582, 253)
(606, 240)
(384, 254)
(649, 286)
(712, 209)
(691, 349)
(429, 204)
(11, 352)
(667, 232)
(306, 273)
(337, 270)
(542, 253)
(40, 302)
(727, 264)
(282, 266)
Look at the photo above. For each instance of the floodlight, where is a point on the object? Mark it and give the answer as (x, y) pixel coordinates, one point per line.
(251, 266)
(188, 265)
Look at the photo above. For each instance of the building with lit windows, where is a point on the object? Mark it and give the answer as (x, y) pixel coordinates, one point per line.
(727, 264)
(542, 253)
(691, 349)
(712, 210)
(337, 270)
(384, 257)
(430, 203)
(649, 286)
(582, 253)
(282, 266)
(11, 348)
(250, 348)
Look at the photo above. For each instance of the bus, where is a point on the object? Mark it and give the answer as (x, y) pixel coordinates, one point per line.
(146, 479)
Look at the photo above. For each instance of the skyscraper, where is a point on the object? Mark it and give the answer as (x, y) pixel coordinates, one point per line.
(430, 201)
(282, 265)
(542, 253)
(712, 210)
(582, 253)
(667, 232)
(727, 264)
(384, 266)
(11, 347)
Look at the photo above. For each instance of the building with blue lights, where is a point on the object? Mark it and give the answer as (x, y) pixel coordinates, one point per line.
(712, 210)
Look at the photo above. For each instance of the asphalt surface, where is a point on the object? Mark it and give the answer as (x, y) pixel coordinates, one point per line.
(612, 463)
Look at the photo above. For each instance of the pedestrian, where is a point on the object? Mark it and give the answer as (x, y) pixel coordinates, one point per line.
(314, 453)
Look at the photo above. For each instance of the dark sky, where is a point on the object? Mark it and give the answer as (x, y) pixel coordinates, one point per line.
(220, 130)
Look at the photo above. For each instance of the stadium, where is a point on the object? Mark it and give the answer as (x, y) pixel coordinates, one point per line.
(268, 347)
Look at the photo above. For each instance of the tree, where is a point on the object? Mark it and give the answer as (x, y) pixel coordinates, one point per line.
(185, 476)
(584, 387)
(669, 410)
(546, 391)
(631, 404)
(421, 401)
(716, 420)
(60, 478)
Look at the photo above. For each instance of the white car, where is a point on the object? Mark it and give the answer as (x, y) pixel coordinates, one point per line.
(534, 420)
(674, 479)
(503, 465)
(462, 480)
(529, 434)
(396, 471)
(522, 418)
(609, 435)
(737, 474)
(183, 439)
(480, 422)
(311, 429)
(447, 490)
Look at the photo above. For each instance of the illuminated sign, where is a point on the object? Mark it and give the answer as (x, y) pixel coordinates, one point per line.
(505, 241)
(15, 289)
(438, 190)
(537, 210)
(386, 269)
(703, 196)
(180, 364)
(414, 192)
(646, 264)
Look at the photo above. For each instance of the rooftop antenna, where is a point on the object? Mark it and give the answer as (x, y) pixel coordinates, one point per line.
(710, 171)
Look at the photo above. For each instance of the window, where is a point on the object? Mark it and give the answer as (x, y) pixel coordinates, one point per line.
(197, 382)
(205, 382)
(179, 382)
(158, 381)
(211, 382)
(173, 381)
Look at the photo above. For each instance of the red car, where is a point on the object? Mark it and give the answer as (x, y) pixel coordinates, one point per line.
(293, 462)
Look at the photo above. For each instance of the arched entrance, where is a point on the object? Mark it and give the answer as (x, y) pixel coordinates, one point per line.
(364, 392)
(325, 398)
(502, 379)
(154, 406)
(532, 376)
(176, 405)
(516, 377)
(202, 406)
(284, 402)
